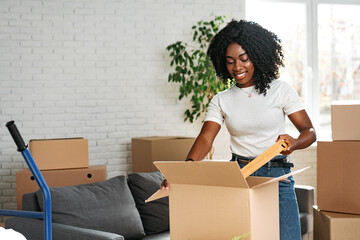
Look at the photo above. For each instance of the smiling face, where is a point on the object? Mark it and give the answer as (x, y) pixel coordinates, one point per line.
(239, 65)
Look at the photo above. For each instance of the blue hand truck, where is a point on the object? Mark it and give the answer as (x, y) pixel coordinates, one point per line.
(46, 214)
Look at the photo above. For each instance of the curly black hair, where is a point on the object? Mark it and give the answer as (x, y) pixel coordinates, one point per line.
(263, 47)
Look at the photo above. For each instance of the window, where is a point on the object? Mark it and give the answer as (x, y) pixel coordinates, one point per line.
(338, 55)
(321, 41)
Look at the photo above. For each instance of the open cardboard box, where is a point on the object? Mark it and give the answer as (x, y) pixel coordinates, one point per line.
(213, 200)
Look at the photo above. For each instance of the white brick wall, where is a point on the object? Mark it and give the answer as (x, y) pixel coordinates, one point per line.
(96, 69)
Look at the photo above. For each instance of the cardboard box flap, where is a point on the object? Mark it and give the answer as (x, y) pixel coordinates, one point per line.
(254, 181)
(283, 177)
(208, 173)
(158, 194)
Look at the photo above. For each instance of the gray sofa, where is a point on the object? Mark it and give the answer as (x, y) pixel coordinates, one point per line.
(115, 209)
(306, 200)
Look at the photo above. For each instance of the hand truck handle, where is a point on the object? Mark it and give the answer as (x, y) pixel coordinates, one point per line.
(16, 136)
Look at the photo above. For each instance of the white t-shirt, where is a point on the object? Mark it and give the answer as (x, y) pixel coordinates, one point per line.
(255, 122)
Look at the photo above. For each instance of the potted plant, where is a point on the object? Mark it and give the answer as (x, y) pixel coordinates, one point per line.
(193, 68)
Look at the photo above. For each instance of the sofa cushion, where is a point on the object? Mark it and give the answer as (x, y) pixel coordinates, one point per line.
(107, 206)
(155, 214)
(304, 222)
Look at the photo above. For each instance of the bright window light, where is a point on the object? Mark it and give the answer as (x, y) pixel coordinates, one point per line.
(321, 42)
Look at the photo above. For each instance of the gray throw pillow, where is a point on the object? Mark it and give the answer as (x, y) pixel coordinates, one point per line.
(155, 214)
(107, 206)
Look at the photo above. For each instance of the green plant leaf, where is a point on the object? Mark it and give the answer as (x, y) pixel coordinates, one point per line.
(242, 236)
(193, 69)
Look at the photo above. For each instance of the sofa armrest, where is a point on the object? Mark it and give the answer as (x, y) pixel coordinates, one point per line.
(33, 229)
(305, 196)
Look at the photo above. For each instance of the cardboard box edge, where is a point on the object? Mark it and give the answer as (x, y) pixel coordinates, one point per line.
(158, 194)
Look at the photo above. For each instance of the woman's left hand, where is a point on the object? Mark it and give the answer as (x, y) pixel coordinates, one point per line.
(290, 141)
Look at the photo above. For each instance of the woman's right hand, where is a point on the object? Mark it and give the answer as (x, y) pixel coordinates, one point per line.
(165, 185)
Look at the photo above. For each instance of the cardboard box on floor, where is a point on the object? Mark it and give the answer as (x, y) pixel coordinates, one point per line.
(338, 177)
(62, 153)
(336, 226)
(25, 182)
(212, 200)
(345, 119)
(146, 150)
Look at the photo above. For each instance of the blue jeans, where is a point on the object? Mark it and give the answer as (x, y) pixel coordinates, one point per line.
(289, 212)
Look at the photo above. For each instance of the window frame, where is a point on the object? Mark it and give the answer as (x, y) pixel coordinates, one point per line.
(311, 80)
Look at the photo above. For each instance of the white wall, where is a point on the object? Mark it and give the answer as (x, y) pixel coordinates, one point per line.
(96, 69)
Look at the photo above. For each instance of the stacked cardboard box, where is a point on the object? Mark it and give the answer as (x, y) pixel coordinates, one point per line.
(64, 153)
(146, 150)
(62, 162)
(332, 225)
(338, 179)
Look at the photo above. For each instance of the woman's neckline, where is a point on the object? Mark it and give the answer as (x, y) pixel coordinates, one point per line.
(249, 87)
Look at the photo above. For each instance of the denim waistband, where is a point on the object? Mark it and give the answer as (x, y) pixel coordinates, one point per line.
(277, 161)
(276, 158)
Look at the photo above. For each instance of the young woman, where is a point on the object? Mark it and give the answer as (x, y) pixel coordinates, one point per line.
(254, 110)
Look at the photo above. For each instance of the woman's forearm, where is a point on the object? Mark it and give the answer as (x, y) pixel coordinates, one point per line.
(306, 138)
(200, 149)
(204, 141)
